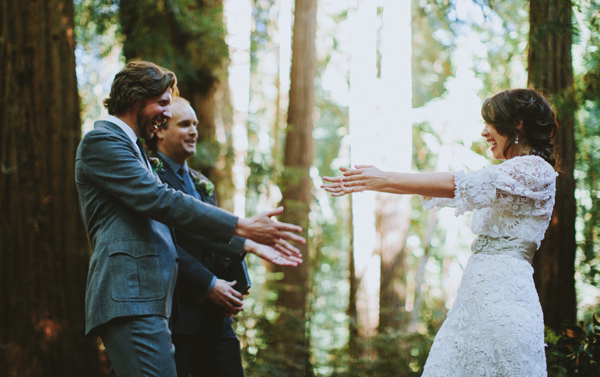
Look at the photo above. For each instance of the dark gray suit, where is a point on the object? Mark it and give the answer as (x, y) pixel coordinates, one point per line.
(205, 342)
(127, 213)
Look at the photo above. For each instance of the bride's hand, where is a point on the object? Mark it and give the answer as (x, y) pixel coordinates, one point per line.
(362, 178)
(336, 187)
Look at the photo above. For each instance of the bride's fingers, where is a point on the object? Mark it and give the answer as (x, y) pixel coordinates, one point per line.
(353, 185)
(362, 166)
(333, 179)
(353, 178)
(352, 172)
(358, 187)
(334, 185)
(349, 170)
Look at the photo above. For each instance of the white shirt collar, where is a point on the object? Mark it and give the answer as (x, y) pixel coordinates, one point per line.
(128, 130)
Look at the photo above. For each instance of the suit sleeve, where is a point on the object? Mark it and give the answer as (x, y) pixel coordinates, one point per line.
(193, 270)
(233, 249)
(111, 164)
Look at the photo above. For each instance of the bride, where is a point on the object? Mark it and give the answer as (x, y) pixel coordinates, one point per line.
(495, 326)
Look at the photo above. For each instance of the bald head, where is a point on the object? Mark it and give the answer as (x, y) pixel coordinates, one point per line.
(177, 139)
(179, 105)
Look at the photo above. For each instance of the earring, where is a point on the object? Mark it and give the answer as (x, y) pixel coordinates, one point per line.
(516, 139)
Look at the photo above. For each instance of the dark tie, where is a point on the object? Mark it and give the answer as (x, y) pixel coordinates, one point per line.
(143, 152)
(187, 183)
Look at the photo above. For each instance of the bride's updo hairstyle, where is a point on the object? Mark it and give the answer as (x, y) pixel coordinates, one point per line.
(507, 109)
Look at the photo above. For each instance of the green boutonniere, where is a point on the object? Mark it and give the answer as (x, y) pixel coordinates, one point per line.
(157, 164)
(203, 184)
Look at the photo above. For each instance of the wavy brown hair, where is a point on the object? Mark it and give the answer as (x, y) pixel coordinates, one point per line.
(506, 110)
(137, 82)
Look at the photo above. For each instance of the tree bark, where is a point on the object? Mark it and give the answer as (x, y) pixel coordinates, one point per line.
(550, 69)
(296, 184)
(393, 220)
(44, 253)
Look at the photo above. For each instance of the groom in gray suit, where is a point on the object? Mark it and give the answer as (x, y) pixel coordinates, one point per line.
(129, 216)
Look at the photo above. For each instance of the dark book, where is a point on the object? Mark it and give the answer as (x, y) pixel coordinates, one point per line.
(238, 271)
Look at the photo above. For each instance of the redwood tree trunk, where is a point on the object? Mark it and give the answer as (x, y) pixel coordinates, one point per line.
(393, 220)
(550, 69)
(44, 251)
(296, 184)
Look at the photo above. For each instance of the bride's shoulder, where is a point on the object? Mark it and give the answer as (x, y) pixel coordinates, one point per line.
(527, 160)
(527, 166)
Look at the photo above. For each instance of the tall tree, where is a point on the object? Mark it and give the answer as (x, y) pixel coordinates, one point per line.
(364, 304)
(550, 69)
(44, 253)
(296, 184)
(395, 147)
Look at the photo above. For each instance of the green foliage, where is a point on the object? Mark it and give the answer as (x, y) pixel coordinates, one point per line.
(260, 37)
(182, 35)
(432, 45)
(95, 24)
(267, 355)
(423, 159)
(587, 134)
(576, 352)
(587, 173)
(394, 354)
(506, 44)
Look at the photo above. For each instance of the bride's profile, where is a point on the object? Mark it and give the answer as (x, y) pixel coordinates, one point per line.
(495, 326)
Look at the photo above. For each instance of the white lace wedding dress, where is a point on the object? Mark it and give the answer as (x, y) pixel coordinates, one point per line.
(495, 327)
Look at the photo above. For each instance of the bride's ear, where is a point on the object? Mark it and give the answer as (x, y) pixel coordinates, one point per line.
(520, 124)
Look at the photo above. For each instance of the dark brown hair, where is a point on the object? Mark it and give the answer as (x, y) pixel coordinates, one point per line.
(507, 109)
(137, 82)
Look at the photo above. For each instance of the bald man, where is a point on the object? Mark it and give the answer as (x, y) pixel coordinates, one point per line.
(205, 342)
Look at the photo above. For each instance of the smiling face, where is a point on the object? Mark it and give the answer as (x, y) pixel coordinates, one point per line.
(496, 141)
(154, 112)
(178, 139)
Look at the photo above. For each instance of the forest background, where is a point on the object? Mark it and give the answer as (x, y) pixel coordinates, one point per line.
(287, 92)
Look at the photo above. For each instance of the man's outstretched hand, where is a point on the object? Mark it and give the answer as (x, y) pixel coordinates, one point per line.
(267, 231)
(282, 254)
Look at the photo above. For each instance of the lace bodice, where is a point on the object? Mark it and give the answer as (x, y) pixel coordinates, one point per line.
(514, 198)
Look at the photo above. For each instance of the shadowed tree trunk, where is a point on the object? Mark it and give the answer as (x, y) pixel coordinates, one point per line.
(353, 334)
(44, 251)
(296, 186)
(550, 69)
(392, 226)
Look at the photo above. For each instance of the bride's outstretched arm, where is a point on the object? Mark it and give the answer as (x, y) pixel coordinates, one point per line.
(366, 177)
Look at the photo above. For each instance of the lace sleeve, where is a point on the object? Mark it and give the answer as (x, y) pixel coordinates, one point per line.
(522, 185)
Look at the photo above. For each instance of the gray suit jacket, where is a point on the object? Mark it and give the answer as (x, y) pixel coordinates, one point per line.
(127, 213)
